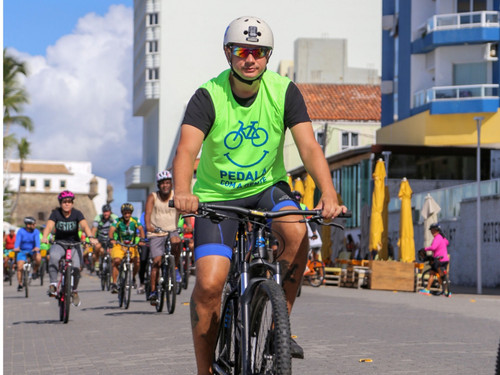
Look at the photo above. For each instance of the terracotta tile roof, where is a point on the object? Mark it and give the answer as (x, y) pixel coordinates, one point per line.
(342, 102)
(38, 168)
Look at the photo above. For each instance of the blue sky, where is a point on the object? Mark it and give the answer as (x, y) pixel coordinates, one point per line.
(79, 56)
(32, 25)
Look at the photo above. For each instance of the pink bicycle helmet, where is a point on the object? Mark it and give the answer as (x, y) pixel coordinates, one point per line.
(65, 194)
(163, 175)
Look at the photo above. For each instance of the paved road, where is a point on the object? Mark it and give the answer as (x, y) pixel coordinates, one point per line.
(402, 333)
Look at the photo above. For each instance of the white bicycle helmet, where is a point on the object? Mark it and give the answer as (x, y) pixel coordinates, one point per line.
(249, 30)
(163, 175)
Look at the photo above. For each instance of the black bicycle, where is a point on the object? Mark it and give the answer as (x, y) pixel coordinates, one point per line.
(105, 267)
(441, 283)
(44, 265)
(185, 263)
(254, 333)
(166, 285)
(125, 275)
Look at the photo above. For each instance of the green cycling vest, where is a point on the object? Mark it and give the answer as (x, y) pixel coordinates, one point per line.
(242, 154)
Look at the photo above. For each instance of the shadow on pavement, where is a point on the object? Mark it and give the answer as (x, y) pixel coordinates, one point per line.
(38, 322)
(134, 313)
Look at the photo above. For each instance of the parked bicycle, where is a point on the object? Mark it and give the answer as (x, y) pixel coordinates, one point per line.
(166, 285)
(125, 275)
(441, 283)
(65, 284)
(254, 333)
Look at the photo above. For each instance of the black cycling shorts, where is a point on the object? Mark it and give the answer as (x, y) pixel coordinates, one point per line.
(219, 238)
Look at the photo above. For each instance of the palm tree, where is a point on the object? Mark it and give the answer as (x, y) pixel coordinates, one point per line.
(14, 98)
(23, 149)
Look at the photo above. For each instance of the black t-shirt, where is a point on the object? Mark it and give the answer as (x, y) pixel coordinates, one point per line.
(66, 228)
(200, 111)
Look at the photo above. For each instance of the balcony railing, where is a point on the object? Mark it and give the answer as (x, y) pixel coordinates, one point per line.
(464, 92)
(487, 18)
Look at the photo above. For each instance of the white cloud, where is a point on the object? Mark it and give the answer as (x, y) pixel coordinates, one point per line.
(81, 96)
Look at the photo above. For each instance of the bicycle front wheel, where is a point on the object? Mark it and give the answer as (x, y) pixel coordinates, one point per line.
(122, 277)
(269, 341)
(446, 285)
(317, 273)
(435, 288)
(227, 347)
(26, 277)
(170, 284)
(161, 286)
(41, 270)
(67, 294)
(128, 284)
(185, 265)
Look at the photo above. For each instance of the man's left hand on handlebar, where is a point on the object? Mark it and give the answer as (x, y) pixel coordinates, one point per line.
(330, 206)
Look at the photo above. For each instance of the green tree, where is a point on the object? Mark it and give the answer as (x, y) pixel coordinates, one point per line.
(23, 150)
(14, 98)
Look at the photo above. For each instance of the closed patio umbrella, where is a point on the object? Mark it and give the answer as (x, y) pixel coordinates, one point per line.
(406, 240)
(299, 186)
(376, 220)
(429, 212)
(308, 198)
(290, 181)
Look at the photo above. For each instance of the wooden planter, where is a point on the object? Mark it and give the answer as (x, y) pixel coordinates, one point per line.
(391, 275)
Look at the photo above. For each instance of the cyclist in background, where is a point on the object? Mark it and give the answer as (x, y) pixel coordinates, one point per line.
(27, 244)
(125, 229)
(160, 217)
(439, 248)
(251, 107)
(100, 230)
(65, 220)
(9, 240)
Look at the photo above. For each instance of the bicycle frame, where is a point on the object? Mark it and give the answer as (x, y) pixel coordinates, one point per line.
(63, 265)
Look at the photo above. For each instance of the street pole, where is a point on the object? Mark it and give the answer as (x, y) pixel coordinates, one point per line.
(478, 120)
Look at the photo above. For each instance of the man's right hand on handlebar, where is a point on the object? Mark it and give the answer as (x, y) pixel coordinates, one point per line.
(186, 202)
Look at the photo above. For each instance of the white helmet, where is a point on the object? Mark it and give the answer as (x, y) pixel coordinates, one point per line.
(163, 175)
(249, 30)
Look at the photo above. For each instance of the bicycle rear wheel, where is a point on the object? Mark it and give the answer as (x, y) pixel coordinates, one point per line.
(446, 285)
(160, 287)
(269, 344)
(170, 284)
(128, 284)
(11, 272)
(227, 347)
(67, 294)
(435, 288)
(318, 273)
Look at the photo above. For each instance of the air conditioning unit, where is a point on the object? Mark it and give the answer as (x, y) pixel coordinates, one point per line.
(491, 52)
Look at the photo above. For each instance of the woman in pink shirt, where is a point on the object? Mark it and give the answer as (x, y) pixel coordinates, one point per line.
(439, 247)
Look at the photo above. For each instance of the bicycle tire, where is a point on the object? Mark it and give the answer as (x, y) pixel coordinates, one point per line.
(128, 284)
(147, 280)
(185, 271)
(67, 293)
(269, 341)
(316, 279)
(26, 275)
(108, 273)
(170, 284)
(227, 347)
(11, 272)
(178, 285)
(446, 285)
(41, 271)
(160, 287)
(121, 285)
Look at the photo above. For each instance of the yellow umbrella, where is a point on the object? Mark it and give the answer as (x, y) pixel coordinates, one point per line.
(308, 198)
(299, 186)
(290, 181)
(406, 240)
(384, 252)
(376, 221)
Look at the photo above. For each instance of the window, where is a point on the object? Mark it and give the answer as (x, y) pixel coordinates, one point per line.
(464, 6)
(153, 74)
(23, 182)
(32, 183)
(349, 140)
(470, 73)
(152, 19)
(62, 183)
(152, 46)
(41, 216)
(46, 183)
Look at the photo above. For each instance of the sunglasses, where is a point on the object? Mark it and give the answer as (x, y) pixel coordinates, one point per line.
(243, 52)
(67, 201)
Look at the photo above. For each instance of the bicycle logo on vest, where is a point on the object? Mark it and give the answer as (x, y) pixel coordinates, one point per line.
(234, 139)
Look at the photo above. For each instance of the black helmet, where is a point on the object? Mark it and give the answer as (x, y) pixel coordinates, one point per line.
(29, 220)
(127, 207)
(435, 226)
(106, 208)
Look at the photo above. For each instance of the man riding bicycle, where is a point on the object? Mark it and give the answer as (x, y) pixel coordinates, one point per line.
(160, 218)
(240, 118)
(439, 248)
(27, 244)
(66, 220)
(124, 229)
(100, 230)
